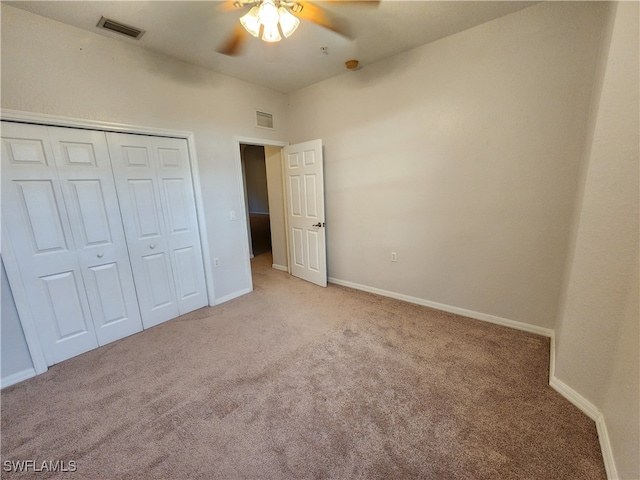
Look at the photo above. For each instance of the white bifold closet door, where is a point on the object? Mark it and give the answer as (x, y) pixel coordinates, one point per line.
(154, 185)
(61, 213)
(103, 231)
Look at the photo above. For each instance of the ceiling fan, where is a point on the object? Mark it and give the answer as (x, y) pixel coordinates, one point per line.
(271, 18)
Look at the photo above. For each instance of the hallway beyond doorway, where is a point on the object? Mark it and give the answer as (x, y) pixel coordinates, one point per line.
(260, 233)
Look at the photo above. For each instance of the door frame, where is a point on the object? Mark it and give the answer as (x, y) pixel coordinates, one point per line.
(21, 301)
(260, 142)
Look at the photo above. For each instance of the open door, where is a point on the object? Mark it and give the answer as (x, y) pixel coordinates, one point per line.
(304, 182)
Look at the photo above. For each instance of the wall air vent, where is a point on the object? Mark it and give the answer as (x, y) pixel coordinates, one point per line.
(120, 28)
(264, 120)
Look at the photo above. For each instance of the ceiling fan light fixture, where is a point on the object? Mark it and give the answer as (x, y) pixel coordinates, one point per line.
(271, 33)
(288, 23)
(251, 21)
(269, 18)
(268, 13)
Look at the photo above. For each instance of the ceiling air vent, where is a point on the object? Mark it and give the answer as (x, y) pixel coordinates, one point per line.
(264, 120)
(120, 28)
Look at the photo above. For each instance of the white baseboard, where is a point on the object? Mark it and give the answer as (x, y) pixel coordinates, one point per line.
(546, 332)
(279, 267)
(588, 409)
(574, 397)
(552, 356)
(17, 377)
(233, 295)
(605, 446)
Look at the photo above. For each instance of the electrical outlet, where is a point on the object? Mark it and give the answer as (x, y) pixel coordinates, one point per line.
(216, 262)
(232, 215)
(394, 257)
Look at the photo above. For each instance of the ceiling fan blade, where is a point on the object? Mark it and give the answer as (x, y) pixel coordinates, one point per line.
(322, 17)
(234, 43)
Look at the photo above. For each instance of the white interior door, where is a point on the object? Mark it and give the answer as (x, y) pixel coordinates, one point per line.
(38, 228)
(132, 159)
(178, 200)
(305, 211)
(84, 170)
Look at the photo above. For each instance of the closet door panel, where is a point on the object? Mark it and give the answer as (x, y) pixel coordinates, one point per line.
(138, 189)
(41, 215)
(113, 299)
(158, 280)
(38, 227)
(64, 298)
(174, 173)
(87, 198)
(147, 219)
(84, 169)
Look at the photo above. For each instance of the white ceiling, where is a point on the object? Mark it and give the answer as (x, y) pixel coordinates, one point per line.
(191, 31)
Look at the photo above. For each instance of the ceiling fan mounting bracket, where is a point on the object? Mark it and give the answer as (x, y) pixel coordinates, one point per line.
(295, 7)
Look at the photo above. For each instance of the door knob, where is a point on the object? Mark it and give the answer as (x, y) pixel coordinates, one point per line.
(100, 255)
(319, 224)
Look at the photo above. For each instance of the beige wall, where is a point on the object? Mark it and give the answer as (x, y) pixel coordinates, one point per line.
(13, 346)
(597, 334)
(620, 403)
(273, 158)
(463, 157)
(52, 68)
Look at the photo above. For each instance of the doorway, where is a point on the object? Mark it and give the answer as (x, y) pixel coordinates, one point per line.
(257, 198)
(264, 202)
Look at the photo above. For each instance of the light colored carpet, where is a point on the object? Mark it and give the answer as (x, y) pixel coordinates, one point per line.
(294, 381)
